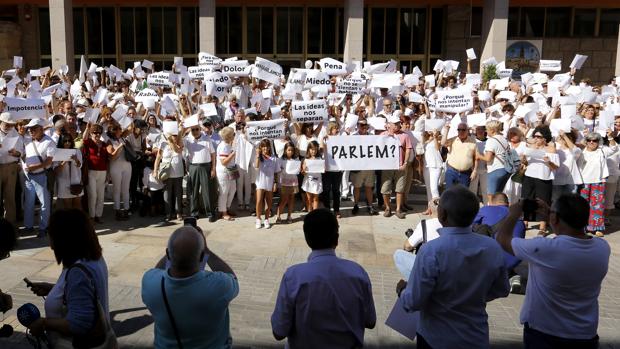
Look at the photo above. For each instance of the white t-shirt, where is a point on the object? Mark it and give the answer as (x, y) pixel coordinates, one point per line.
(497, 145)
(568, 172)
(565, 276)
(432, 155)
(432, 225)
(175, 159)
(46, 147)
(266, 173)
(593, 164)
(536, 166)
(223, 150)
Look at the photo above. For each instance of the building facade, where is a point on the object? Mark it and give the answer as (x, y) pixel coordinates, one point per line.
(55, 32)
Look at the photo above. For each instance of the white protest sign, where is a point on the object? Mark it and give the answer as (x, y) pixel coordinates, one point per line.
(415, 98)
(377, 122)
(146, 64)
(170, 127)
(49, 90)
(411, 80)
(331, 66)
(292, 167)
(387, 80)
(478, 119)
(159, 79)
(199, 72)
(362, 153)
(430, 80)
(454, 101)
(550, 65)
(558, 125)
(146, 93)
(351, 85)
(270, 129)
(309, 111)
(296, 81)
(471, 55)
(120, 112)
(315, 166)
(101, 95)
(267, 70)
(350, 122)
(473, 79)
(8, 144)
(504, 73)
(64, 154)
(316, 78)
(431, 125)
(208, 59)
(208, 109)
(125, 121)
(17, 62)
(567, 111)
(219, 79)
(21, 108)
(235, 68)
(92, 115)
(578, 61)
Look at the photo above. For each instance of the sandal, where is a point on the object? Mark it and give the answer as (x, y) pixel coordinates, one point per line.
(289, 220)
(227, 218)
(387, 213)
(338, 215)
(278, 221)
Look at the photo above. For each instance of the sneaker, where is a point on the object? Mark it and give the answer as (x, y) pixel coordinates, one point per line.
(371, 210)
(515, 285)
(258, 223)
(98, 220)
(400, 215)
(267, 224)
(41, 234)
(355, 210)
(607, 222)
(212, 218)
(600, 234)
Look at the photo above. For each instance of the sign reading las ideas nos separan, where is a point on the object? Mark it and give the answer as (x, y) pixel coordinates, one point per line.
(362, 153)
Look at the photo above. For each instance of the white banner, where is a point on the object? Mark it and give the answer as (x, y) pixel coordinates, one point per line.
(160, 79)
(235, 68)
(331, 66)
(351, 85)
(362, 153)
(199, 72)
(550, 65)
(146, 93)
(316, 78)
(309, 111)
(296, 80)
(454, 101)
(267, 70)
(20, 108)
(270, 129)
(208, 59)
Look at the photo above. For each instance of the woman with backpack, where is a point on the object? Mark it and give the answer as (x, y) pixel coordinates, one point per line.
(500, 158)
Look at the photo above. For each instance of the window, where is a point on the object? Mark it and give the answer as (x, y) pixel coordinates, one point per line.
(228, 33)
(45, 40)
(476, 21)
(513, 21)
(324, 33)
(610, 19)
(585, 22)
(8, 13)
(558, 22)
(289, 29)
(79, 47)
(532, 21)
(412, 31)
(260, 30)
(94, 34)
(436, 33)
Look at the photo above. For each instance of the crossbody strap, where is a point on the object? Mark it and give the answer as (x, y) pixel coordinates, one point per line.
(506, 149)
(172, 322)
(424, 230)
(37, 152)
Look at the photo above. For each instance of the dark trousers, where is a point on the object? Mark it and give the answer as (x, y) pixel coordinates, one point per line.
(533, 339)
(331, 187)
(454, 177)
(174, 195)
(135, 184)
(421, 342)
(202, 185)
(378, 184)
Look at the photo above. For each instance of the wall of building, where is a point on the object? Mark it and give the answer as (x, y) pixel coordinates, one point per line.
(10, 37)
(457, 37)
(601, 54)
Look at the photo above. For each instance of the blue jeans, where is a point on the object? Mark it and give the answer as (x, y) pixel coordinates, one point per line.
(496, 181)
(404, 262)
(454, 177)
(36, 186)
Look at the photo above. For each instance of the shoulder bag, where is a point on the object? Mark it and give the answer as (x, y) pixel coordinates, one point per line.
(75, 189)
(169, 311)
(511, 160)
(101, 336)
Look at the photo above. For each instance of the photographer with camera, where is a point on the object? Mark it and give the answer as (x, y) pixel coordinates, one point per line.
(8, 240)
(190, 304)
(565, 275)
(425, 231)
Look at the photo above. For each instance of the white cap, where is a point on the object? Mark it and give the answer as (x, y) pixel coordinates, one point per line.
(393, 119)
(6, 118)
(37, 122)
(82, 102)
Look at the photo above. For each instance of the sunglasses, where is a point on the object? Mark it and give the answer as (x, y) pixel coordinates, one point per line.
(195, 129)
(538, 136)
(592, 140)
(387, 105)
(461, 129)
(96, 133)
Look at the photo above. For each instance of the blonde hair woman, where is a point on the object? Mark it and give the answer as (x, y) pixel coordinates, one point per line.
(225, 172)
(495, 151)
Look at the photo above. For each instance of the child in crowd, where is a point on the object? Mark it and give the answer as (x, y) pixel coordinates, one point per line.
(312, 183)
(153, 199)
(267, 167)
(288, 182)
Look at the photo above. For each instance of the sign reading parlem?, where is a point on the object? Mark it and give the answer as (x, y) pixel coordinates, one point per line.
(314, 111)
(25, 108)
(270, 129)
(356, 153)
(351, 85)
(454, 101)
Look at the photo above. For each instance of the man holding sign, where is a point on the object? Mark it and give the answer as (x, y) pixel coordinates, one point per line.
(394, 180)
(11, 149)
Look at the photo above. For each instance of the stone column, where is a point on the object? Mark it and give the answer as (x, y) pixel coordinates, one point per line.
(354, 30)
(61, 33)
(206, 26)
(494, 30)
(618, 53)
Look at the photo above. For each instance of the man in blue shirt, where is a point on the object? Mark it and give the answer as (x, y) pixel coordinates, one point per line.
(560, 309)
(453, 278)
(193, 311)
(326, 302)
(492, 215)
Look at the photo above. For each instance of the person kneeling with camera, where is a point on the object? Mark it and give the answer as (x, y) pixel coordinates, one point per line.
(425, 231)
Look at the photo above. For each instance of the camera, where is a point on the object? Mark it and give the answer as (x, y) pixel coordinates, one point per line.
(408, 232)
(191, 221)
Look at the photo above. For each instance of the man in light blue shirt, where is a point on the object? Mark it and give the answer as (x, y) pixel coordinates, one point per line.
(326, 302)
(198, 299)
(565, 276)
(453, 278)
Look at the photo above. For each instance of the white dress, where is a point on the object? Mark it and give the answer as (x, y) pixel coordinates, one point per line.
(513, 189)
(312, 183)
(266, 173)
(69, 174)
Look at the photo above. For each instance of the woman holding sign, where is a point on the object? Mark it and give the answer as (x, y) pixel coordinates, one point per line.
(68, 173)
(266, 167)
(120, 170)
(312, 183)
(331, 179)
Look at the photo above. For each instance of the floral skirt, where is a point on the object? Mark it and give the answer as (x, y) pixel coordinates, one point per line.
(595, 194)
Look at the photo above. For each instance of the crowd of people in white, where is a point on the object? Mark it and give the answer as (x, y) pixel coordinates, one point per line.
(228, 128)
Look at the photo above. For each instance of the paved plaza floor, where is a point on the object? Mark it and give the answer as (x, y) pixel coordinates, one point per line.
(259, 257)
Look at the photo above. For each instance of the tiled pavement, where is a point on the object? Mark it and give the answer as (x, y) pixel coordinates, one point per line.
(259, 257)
